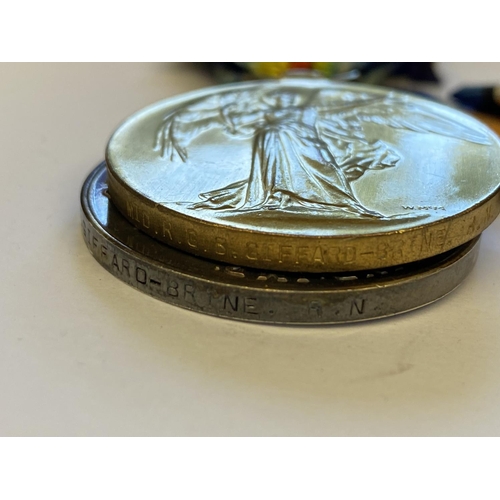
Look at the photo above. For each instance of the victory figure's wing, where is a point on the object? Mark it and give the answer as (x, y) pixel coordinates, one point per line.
(341, 124)
(398, 112)
(182, 125)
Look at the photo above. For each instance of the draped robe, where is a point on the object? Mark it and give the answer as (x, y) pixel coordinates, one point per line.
(291, 168)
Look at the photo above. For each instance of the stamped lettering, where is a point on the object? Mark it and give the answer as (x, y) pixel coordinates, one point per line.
(189, 293)
(141, 275)
(230, 303)
(220, 246)
(357, 307)
(192, 238)
(167, 230)
(315, 308)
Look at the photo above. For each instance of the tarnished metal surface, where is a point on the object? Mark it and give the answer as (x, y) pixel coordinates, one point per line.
(306, 175)
(248, 294)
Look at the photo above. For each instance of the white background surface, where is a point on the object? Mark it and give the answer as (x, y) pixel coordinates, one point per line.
(81, 353)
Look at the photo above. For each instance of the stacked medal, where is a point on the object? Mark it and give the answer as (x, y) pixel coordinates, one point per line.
(295, 201)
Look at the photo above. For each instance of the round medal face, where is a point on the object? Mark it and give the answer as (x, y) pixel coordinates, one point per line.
(305, 175)
(255, 295)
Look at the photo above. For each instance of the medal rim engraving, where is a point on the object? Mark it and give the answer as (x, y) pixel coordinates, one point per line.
(236, 296)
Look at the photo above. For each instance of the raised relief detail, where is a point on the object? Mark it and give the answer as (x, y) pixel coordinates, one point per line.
(308, 145)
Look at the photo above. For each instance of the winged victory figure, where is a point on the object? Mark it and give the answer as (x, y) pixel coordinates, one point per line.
(308, 145)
